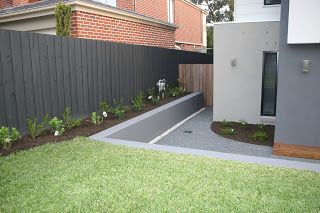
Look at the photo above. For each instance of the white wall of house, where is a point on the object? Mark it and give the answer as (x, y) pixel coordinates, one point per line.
(255, 10)
(303, 23)
(44, 24)
(237, 89)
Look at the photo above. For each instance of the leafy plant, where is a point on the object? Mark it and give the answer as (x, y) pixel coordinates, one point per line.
(56, 126)
(261, 127)
(224, 124)
(259, 136)
(227, 131)
(105, 108)
(63, 19)
(96, 119)
(68, 121)
(7, 136)
(180, 90)
(175, 91)
(153, 96)
(34, 128)
(119, 109)
(170, 92)
(243, 124)
(138, 102)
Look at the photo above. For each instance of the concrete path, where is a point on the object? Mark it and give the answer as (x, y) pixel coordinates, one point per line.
(196, 134)
(220, 155)
(196, 138)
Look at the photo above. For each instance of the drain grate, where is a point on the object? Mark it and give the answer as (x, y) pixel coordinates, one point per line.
(187, 131)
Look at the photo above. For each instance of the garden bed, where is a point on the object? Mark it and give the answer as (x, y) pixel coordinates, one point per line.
(243, 133)
(86, 129)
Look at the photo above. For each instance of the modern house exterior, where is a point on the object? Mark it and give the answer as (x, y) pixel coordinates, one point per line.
(267, 70)
(176, 24)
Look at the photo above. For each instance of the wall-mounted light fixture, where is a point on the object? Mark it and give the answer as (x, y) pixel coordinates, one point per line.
(233, 61)
(306, 65)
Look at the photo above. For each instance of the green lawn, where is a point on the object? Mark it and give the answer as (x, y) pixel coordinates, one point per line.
(88, 176)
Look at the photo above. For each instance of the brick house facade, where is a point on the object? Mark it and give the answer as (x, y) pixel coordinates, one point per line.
(93, 26)
(131, 21)
(190, 19)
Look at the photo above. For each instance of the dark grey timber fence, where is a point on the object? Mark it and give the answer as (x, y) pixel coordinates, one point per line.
(42, 74)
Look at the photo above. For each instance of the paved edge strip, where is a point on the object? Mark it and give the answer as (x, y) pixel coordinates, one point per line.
(220, 155)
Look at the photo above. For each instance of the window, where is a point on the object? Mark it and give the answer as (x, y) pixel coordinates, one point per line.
(170, 11)
(112, 2)
(109, 2)
(269, 84)
(272, 2)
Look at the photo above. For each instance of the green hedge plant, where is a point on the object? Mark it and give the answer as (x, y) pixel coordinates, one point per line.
(36, 128)
(96, 119)
(119, 109)
(105, 108)
(138, 102)
(63, 19)
(57, 126)
(8, 136)
(68, 121)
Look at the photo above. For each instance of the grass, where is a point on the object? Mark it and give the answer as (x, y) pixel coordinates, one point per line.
(87, 176)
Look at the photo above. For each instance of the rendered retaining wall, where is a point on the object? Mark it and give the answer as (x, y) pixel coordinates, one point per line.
(149, 125)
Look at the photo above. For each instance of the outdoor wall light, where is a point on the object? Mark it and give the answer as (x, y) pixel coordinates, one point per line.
(233, 61)
(306, 64)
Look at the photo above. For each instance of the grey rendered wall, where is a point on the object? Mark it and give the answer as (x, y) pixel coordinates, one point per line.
(237, 90)
(298, 103)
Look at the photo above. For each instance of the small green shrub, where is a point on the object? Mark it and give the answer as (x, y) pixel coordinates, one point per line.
(68, 121)
(227, 131)
(96, 119)
(35, 129)
(224, 124)
(261, 127)
(175, 91)
(180, 90)
(63, 19)
(56, 126)
(119, 109)
(104, 106)
(7, 136)
(153, 96)
(259, 136)
(243, 124)
(138, 102)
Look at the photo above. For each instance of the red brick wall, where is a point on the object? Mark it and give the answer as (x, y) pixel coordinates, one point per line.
(11, 3)
(153, 8)
(5, 3)
(21, 2)
(189, 20)
(126, 4)
(86, 25)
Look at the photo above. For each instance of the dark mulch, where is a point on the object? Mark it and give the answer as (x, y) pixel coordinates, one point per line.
(85, 129)
(242, 134)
